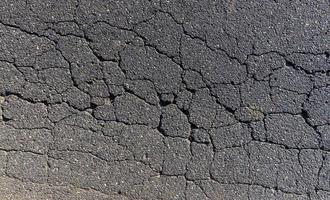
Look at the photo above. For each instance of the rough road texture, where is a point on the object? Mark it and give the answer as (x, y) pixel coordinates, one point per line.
(165, 99)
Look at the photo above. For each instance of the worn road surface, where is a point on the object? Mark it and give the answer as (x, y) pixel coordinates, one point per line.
(164, 99)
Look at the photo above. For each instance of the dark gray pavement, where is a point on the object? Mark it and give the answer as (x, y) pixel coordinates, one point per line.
(164, 99)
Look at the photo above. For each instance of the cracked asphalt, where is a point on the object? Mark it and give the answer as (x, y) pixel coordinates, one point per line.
(164, 99)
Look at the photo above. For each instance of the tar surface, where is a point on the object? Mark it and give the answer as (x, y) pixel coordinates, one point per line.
(164, 99)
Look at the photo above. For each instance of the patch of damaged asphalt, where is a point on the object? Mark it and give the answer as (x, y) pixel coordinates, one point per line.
(164, 100)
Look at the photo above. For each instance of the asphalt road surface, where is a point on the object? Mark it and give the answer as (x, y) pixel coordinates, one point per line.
(164, 99)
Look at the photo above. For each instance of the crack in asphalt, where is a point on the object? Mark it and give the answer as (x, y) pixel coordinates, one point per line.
(164, 100)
